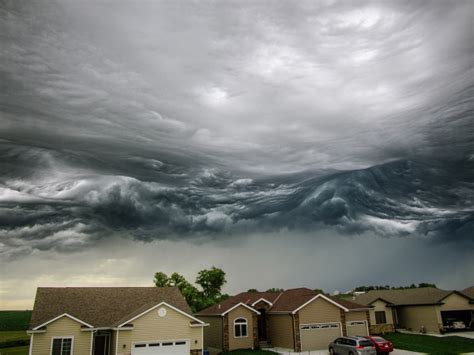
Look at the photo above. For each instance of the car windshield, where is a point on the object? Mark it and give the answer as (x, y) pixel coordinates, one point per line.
(365, 343)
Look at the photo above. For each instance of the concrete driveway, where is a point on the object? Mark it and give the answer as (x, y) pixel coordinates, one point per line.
(325, 352)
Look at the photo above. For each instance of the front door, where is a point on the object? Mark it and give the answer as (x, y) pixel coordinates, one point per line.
(101, 344)
(262, 326)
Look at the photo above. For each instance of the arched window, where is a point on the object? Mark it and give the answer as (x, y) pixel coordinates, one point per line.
(240, 328)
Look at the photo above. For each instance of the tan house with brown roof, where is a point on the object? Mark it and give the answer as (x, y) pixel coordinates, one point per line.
(296, 320)
(430, 310)
(113, 321)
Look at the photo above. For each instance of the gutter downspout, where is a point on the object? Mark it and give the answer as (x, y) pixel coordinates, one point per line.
(30, 352)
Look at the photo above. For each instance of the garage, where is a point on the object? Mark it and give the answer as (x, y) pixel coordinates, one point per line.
(317, 336)
(457, 320)
(165, 347)
(357, 328)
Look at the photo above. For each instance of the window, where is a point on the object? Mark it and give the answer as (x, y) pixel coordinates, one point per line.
(240, 328)
(62, 346)
(380, 317)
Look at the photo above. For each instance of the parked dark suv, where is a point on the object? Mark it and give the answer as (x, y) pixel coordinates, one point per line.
(352, 346)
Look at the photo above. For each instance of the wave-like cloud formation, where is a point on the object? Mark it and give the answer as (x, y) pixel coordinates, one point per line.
(68, 209)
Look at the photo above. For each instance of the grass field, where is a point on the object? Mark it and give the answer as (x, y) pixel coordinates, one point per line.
(432, 345)
(14, 320)
(13, 335)
(19, 350)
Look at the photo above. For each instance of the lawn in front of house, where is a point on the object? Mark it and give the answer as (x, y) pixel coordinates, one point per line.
(13, 335)
(430, 344)
(18, 350)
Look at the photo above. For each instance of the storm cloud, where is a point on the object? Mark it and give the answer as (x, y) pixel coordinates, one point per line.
(205, 122)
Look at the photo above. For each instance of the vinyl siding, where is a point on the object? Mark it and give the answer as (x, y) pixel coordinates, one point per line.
(63, 327)
(280, 329)
(456, 302)
(213, 333)
(150, 326)
(240, 343)
(414, 317)
(381, 306)
(356, 316)
(320, 311)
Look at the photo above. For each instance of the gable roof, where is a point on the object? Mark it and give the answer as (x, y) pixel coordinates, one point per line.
(469, 292)
(411, 296)
(101, 306)
(287, 301)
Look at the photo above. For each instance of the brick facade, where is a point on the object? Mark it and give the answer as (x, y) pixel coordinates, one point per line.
(343, 322)
(225, 333)
(296, 332)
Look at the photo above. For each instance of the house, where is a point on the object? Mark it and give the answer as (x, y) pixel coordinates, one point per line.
(296, 320)
(430, 310)
(113, 321)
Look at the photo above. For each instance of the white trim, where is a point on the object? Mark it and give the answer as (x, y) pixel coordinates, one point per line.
(264, 300)
(116, 343)
(240, 304)
(63, 315)
(30, 351)
(62, 337)
(315, 298)
(199, 325)
(158, 305)
(202, 340)
(92, 341)
(31, 332)
(246, 328)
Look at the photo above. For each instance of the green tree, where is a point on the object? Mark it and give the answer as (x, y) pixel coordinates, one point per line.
(252, 290)
(211, 282)
(161, 279)
(274, 289)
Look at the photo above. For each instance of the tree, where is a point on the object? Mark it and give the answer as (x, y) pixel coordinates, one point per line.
(274, 289)
(252, 290)
(426, 284)
(318, 290)
(161, 279)
(211, 282)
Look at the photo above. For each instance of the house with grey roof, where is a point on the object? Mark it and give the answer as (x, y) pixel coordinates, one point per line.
(429, 310)
(113, 321)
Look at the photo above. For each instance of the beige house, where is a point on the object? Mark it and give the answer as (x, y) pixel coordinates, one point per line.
(295, 320)
(429, 310)
(113, 321)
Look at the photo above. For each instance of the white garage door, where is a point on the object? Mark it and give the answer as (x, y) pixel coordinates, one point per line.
(357, 328)
(318, 336)
(164, 347)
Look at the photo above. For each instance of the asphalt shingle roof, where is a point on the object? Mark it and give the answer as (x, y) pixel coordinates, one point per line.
(101, 306)
(412, 296)
(469, 291)
(286, 301)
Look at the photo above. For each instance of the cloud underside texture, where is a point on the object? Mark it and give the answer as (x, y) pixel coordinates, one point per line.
(209, 120)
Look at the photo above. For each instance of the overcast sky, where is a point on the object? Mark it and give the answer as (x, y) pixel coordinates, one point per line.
(244, 134)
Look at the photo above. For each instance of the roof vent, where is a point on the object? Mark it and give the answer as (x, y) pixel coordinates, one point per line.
(219, 306)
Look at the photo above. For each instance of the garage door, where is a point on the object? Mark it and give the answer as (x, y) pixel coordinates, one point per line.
(357, 328)
(165, 347)
(318, 336)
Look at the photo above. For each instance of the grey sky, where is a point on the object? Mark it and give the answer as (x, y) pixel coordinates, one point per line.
(202, 122)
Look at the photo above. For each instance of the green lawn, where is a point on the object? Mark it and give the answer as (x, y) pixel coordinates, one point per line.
(19, 350)
(14, 320)
(13, 335)
(429, 344)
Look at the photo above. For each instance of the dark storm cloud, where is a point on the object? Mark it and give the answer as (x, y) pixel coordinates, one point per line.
(174, 120)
